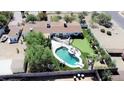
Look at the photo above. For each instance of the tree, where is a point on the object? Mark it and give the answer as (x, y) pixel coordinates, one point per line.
(81, 16)
(31, 18)
(35, 38)
(101, 18)
(42, 16)
(7, 14)
(94, 15)
(3, 20)
(106, 75)
(68, 18)
(39, 59)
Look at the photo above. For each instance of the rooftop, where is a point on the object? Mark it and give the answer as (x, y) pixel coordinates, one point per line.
(55, 27)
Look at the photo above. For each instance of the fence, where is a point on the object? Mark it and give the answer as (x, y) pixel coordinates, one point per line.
(54, 75)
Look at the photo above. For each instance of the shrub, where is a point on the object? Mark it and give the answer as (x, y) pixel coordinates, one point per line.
(106, 75)
(81, 16)
(42, 16)
(31, 18)
(68, 18)
(103, 30)
(109, 33)
(101, 18)
(3, 19)
(56, 18)
(7, 14)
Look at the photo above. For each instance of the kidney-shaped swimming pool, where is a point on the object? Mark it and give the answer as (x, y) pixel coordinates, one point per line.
(63, 54)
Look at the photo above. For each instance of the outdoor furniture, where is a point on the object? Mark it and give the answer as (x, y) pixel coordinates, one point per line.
(31, 29)
(82, 76)
(79, 76)
(75, 79)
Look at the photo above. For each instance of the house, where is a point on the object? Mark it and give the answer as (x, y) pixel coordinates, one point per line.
(15, 39)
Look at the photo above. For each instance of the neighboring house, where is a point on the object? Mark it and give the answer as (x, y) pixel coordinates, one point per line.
(15, 38)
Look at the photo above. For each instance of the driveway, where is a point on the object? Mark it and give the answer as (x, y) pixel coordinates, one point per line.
(17, 18)
(117, 17)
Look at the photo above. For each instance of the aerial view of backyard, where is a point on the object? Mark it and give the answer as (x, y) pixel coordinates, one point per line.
(61, 46)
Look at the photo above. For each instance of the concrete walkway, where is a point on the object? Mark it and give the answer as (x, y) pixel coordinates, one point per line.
(120, 65)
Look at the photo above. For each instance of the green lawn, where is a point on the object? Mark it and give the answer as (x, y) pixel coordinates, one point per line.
(83, 45)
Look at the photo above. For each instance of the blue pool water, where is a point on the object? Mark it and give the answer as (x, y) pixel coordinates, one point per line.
(66, 56)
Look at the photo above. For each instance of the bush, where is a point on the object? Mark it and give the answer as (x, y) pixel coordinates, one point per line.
(103, 30)
(101, 18)
(109, 33)
(106, 75)
(81, 16)
(68, 18)
(3, 19)
(42, 16)
(7, 14)
(31, 18)
(56, 18)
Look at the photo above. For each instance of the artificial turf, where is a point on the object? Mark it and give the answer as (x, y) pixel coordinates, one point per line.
(83, 45)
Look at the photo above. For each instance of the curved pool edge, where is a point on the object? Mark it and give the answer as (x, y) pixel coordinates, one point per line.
(58, 45)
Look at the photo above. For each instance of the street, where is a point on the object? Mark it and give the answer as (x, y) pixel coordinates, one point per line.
(116, 17)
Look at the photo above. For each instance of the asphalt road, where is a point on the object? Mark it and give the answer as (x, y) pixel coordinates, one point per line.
(117, 18)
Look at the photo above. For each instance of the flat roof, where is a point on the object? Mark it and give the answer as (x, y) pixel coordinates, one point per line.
(55, 27)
